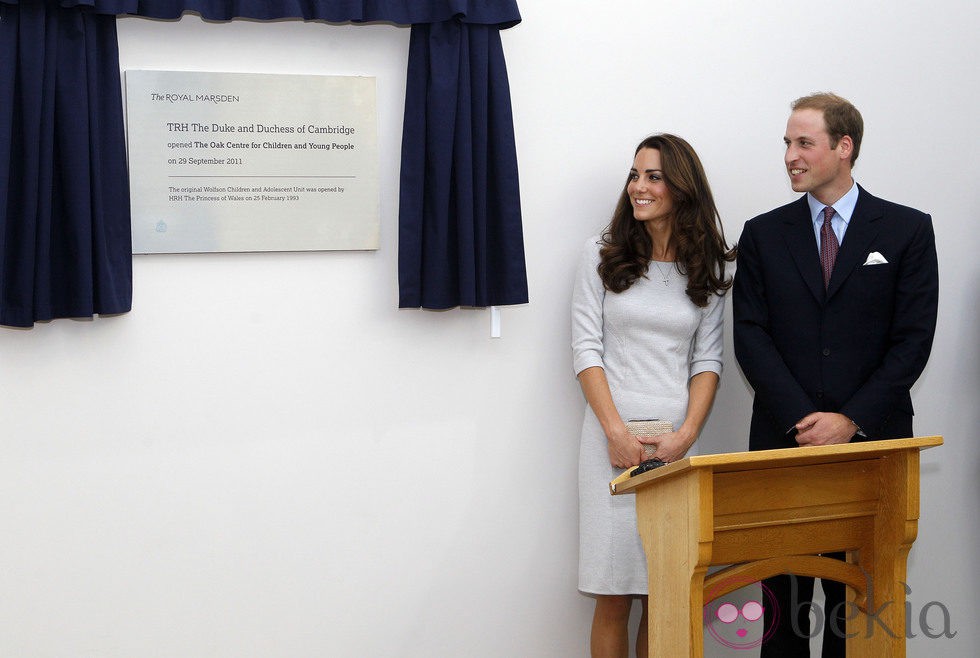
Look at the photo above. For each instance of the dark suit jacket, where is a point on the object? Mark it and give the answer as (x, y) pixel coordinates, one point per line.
(855, 348)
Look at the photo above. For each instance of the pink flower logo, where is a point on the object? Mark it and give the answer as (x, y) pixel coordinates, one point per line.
(741, 626)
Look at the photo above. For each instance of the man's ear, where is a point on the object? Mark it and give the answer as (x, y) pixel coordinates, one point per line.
(845, 146)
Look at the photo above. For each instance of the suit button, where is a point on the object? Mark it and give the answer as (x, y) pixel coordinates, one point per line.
(826, 351)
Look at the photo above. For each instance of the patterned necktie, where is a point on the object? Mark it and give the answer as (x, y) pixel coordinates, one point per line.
(828, 245)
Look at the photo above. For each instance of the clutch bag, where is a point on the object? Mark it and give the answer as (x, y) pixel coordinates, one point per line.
(647, 428)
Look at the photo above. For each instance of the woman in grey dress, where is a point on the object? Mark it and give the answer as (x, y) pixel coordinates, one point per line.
(647, 343)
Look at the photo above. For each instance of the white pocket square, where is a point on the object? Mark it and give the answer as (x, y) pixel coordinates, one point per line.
(874, 258)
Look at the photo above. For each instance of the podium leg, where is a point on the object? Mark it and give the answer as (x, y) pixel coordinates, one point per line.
(676, 538)
(881, 632)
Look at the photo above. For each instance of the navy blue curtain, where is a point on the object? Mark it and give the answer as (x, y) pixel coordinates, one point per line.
(65, 247)
(502, 13)
(64, 188)
(460, 237)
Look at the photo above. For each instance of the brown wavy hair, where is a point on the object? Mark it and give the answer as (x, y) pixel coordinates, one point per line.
(697, 236)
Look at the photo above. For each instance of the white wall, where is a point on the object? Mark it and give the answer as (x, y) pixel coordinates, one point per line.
(267, 458)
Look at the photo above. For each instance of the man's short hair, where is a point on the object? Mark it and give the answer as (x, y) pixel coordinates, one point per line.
(840, 116)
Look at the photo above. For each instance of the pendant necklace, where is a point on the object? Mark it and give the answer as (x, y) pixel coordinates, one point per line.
(663, 277)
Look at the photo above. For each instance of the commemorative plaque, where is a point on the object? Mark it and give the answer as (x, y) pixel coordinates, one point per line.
(224, 162)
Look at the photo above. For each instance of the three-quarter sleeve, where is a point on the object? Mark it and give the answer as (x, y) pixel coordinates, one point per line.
(708, 343)
(587, 298)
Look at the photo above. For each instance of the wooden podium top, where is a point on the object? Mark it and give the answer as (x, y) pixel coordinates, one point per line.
(760, 459)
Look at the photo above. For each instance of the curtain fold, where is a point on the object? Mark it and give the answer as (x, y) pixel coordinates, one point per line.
(460, 235)
(65, 246)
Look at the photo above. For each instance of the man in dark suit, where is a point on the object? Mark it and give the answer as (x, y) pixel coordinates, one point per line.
(834, 302)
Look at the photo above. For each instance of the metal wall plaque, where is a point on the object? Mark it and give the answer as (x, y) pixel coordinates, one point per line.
(224, 162)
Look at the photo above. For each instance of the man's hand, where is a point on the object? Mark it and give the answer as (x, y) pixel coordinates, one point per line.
(825, 428)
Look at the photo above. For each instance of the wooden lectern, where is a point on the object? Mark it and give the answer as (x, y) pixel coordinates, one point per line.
(775, 511)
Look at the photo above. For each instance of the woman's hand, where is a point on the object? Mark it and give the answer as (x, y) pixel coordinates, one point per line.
(625, 450)
(674, 445)
(671, 446)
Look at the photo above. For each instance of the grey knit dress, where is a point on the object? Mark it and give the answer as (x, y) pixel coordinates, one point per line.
(650, 339)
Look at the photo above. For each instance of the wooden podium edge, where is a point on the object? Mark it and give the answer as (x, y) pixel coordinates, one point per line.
(747, 460)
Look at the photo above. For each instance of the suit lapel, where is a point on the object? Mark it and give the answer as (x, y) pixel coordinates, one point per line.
(861, 230)
(802, 246)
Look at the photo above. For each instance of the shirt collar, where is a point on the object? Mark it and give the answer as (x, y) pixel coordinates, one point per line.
(844, 206)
